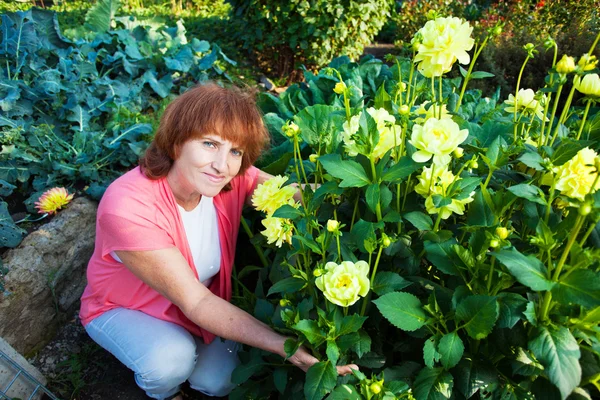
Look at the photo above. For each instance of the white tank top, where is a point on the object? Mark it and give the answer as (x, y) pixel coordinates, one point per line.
(202, 231)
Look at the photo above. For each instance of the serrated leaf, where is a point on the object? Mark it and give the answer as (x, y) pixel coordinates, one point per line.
(332, 351)
(524, 364)
(528, 270)
(344, 392)
(471, 376)
(529, 192)
(287, 285)
(530, 314)
(581, 286)
(287, 211)
(363, 346)
(403, 310)
(441, 255)
(101, 14)
(512, 306)
(451, 349)
(532, 160)
(421, 221)
(372, 197)
(430, 352)
(479, 314)
(320, 380)
(558, 351)
(350, 172)
(386, 282)
(371, 360)
(401, 170)
(433, 384)
(349, 324)
(314, 334)
(481, 75)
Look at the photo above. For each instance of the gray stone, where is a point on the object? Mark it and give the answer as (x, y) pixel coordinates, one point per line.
(46, 276)
(23, 386)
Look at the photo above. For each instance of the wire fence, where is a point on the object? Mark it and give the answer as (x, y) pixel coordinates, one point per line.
(24, 378)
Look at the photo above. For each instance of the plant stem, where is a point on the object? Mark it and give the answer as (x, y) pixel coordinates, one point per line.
(563, 114)
(491, 274)
(517, 95)
(441, 99)
(589, 231)
(546, 138)
(366, 298)
(546, 304)
(594, 44)
(410, 77)
(550, 200)
(468, 77)
(354, 211)
(437, 221)
(376, 181)
(259, 251)
(585, 114)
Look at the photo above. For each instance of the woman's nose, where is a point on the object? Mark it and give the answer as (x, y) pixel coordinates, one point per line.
(220, 161)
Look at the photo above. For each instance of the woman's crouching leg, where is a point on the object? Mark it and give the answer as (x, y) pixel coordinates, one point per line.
(161, 354)
(216, 361)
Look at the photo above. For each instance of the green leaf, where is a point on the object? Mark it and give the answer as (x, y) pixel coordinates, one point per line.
(383, 99)
(532, 160)
(320, 126)
(387, 281)
(403, 310)
(433, 384)
(524, 364)
(451, 349)
(565, 152)
(349, 324)
(287, 211)
(472, 376)
(311, 330)
(401, 170)
(479, 314)
(243, 372)
(372, 197)
(421, 221)
(527, 269)
(10, 234)
(371, 360)
(344, 392)
(430, 352)
(529, 192)
(558, 351)
(363, 346)
(441, 255)
(310, 243)
(512, 306)
(530, 314)
(350, 172)
(290, 347)
(333, 352)
(280, 376)
(287, 285)
(581, 287)
(101, 14)
(320, 380)
(480, 213)
(481, 75)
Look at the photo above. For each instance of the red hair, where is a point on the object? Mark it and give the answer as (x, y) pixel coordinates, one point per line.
(206, 109)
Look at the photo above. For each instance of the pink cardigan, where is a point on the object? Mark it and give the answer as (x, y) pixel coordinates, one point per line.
(137, 213)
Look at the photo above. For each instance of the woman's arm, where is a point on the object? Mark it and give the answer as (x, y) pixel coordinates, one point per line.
(167, 272)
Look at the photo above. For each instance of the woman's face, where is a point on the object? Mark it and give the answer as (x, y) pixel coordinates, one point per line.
(205, 166)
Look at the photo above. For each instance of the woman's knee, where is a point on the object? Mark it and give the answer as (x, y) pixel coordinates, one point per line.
(212, 384)
(167, 366)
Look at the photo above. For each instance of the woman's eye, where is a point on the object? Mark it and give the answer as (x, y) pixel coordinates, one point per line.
(236, 152)
(210, 144)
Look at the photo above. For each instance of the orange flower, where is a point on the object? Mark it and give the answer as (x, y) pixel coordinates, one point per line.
(53, 200)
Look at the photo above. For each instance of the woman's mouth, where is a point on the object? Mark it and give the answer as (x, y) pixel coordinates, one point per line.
(214, 178)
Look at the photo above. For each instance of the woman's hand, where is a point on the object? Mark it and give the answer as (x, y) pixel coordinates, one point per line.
(304, 360)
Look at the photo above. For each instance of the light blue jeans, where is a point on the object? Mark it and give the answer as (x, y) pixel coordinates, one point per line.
(163, 355)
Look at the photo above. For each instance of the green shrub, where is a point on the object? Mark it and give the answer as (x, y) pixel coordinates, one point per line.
(80, 113)
(284, 35)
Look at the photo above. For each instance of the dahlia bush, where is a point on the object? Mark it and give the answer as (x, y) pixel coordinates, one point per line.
(446, 242)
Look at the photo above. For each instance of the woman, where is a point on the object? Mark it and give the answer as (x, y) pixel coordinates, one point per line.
(159, 281)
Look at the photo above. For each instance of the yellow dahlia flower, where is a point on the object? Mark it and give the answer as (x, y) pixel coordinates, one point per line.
(575, 178)
(526, 103)
(589, 85)
(442, 42)
(342, 284)
(349, 129)
(566, 65)
(442, 179)
(339, 88)
(53, 200)
(279, 230)
(269, 196)
(437, 138)
(333, 225)
(426, 111)
(587, 62)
